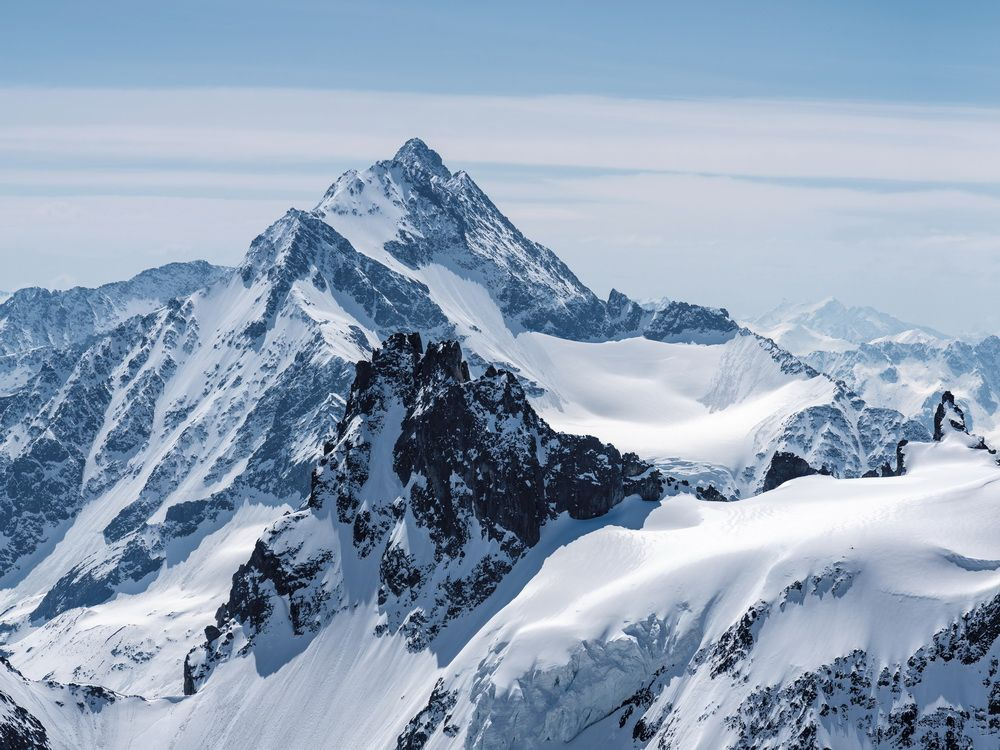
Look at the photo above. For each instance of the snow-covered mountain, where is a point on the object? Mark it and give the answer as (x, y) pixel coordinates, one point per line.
(832, 326)
(35, 317)
(678, 623)
(159, 505)
(606, 638)
(889, 363)
(416, 217)
(910, 376)
(149, 456)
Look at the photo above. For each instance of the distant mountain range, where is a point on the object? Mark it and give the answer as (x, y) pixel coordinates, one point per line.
(400, 479)
(891, 363)
(830, 325)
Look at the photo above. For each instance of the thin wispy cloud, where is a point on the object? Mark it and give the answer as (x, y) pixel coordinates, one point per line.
(730, 202)
(274, 126)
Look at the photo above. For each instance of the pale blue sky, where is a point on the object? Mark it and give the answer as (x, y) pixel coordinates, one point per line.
(891, 50)
(729, 153)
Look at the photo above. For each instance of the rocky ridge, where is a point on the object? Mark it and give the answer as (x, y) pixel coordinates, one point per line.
(439, 482)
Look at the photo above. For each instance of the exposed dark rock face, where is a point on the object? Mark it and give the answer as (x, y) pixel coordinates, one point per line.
(949, 414)
(444, 480)
(949, 418)
(301, 246)
(887, 470)
(943, 696)
(477, 459)
(786, 466)
(95, 580)
(639, 478)
(711, 493)
(60, 411)
(736, 643)
(683, 322)
(421, 726)
(20, 730)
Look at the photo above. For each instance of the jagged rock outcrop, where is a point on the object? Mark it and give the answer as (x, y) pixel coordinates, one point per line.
(20, 729)
(887, 469)
(949, 419)
(786, 466)
(948, 414)
(439, 480)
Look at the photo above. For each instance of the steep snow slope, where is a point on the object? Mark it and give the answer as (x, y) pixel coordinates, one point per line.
(210, 419)
(719, 405)
(714, 415)
(709, 620)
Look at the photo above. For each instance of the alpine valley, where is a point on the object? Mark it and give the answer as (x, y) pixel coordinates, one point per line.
(401, 480)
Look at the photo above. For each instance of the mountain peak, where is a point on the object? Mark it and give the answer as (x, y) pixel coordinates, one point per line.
(830, 303)
(948, 414)
(417, 156)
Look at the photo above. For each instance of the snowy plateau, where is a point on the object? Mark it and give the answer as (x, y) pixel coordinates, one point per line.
(401, 480)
